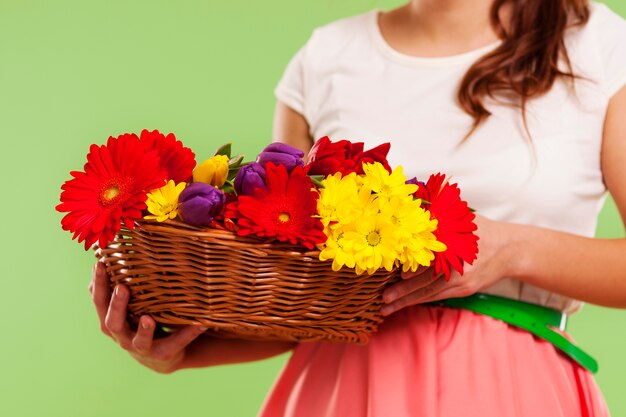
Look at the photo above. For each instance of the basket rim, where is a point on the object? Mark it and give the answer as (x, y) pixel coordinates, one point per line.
(180, 228)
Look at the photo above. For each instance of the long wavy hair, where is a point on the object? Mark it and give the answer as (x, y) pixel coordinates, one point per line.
(526, 63)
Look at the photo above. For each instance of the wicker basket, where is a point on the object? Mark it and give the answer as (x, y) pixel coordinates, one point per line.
(241, 287)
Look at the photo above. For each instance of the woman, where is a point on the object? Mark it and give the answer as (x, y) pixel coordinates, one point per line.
(519, 101)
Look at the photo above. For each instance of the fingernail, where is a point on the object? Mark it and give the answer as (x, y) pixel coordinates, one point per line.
(145, 324)
(386, 310)
(203, 328)
(118, 292)
(390, 295)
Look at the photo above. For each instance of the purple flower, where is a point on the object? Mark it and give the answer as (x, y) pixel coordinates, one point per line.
(281, 154)
(200, 203)
(415, 181)
(248, 178)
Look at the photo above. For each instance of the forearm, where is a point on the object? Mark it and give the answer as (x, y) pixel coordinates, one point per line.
(587, 269)
(211, 351)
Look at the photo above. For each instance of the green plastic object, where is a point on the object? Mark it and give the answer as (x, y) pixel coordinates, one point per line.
(538, 320)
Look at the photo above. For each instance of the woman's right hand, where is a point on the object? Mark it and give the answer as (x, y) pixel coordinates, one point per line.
(161, 355)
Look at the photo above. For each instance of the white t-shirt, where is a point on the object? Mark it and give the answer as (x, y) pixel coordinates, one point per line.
(349, 83)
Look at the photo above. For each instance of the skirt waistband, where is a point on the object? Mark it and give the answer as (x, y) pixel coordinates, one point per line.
(538, 320)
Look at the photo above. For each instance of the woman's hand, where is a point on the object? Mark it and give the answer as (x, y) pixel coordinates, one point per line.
(493, 264)
(161, 355)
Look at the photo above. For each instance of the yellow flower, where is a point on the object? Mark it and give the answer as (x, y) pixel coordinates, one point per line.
(213, 171)
(163, 202)
(334, 249)
(414, 229)
(340, 199)
(373, 222)
(387, 185)
(372, 240)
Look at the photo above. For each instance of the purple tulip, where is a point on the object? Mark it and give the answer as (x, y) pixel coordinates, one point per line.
(415, 181)
(248, 178)
(280, 153)
(200, 203)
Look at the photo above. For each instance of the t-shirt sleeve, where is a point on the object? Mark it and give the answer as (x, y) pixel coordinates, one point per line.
(290, 88)
(612, 49)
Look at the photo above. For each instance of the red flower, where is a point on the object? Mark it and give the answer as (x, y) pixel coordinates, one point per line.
(377, 154)
(177, 160)
(326, 157)
(111, 190)
(283, 211)
(455, 224)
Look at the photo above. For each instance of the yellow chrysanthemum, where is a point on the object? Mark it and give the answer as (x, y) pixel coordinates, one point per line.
(414, 229)
(163, 202)
(341, 199)
(335, 249)
(373, 241)
(372, 222)
(387, 185)
(337, 198)
(213, 171)
(399, 210)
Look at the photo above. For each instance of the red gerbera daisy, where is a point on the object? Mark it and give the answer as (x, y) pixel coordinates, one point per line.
(177, 160)
(455, 225)
(111, 190)
(283, 211)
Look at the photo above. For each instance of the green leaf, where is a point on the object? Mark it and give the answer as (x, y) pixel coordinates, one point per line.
(228, 188)
(232, 173)
(235, 161)
(223, 150)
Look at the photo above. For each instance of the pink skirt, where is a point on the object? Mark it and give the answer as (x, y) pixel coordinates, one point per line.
(435, 362)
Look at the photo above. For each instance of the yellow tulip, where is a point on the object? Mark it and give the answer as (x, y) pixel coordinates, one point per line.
(213, 171)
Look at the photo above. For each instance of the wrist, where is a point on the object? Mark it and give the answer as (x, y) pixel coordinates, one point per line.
(516, 251)
(158, 365)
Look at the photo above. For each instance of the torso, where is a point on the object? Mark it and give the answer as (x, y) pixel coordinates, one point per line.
(362, 89)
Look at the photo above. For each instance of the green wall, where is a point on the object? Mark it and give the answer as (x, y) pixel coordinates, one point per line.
(73, 72)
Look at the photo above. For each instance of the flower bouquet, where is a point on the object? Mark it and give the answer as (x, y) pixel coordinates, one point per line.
(272, 249)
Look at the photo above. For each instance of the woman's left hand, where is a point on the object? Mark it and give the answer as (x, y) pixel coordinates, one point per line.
(493, 264)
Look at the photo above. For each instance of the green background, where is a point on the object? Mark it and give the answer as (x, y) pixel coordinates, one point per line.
(74, 72)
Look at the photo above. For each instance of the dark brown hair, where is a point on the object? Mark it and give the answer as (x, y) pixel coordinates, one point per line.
(526, 63)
